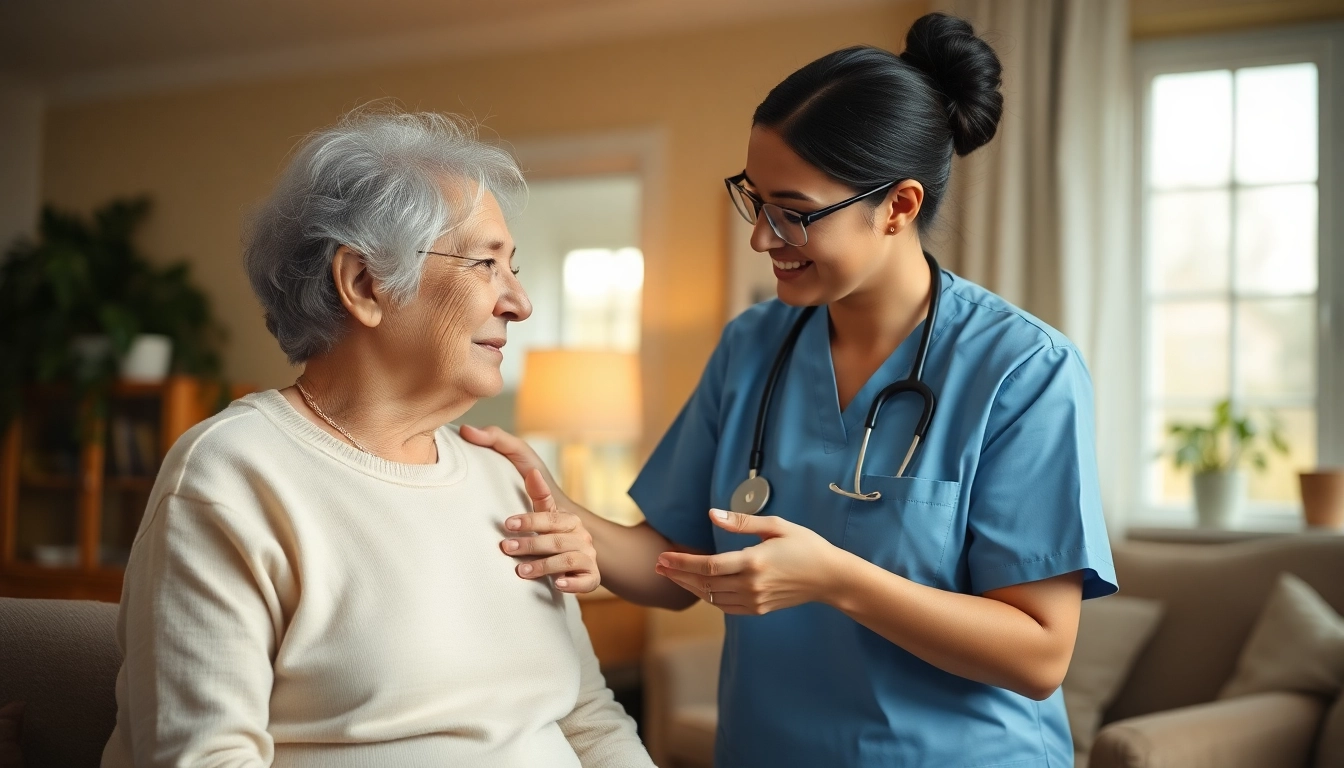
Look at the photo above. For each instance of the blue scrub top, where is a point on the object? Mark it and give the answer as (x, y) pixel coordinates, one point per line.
(1002, 492)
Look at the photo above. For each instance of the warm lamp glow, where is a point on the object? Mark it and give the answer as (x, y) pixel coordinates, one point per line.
(580, 395)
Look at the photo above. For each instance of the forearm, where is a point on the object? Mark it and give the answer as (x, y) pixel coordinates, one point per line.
(978, 638)
(626, 556)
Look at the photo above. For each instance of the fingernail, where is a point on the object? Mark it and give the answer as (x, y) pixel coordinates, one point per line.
(524, 569)
(562, 583)
(513, 524)
(511, 546)
(662, 563)
(721, 514)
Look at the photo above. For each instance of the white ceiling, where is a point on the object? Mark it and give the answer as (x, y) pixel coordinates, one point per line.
(82, 49)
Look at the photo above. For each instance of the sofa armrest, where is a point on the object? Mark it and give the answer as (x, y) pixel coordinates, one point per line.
(680, 676)
(1245, 732)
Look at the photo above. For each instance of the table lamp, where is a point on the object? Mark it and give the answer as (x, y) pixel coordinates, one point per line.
(579, 397)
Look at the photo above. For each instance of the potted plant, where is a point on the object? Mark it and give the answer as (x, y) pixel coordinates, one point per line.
(74, 302)
(1216, 453)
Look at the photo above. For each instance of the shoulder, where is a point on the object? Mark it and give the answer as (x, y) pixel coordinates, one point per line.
(1003, 338)
(237, 434)
(484, 465)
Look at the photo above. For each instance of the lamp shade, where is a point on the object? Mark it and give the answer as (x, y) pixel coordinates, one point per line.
(580, 394)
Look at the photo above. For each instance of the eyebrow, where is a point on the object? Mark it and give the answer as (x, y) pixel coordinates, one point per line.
(785, 194)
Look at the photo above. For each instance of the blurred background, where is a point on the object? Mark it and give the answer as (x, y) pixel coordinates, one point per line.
(1165, 188)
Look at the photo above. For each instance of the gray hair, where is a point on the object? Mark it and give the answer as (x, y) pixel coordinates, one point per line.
(373, 182)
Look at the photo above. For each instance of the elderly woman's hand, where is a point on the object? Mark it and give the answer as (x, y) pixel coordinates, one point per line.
(559, 543)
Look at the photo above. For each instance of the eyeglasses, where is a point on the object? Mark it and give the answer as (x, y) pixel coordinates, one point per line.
(790, 226)
(474, 261)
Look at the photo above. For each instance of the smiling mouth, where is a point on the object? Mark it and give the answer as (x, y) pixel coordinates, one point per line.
(789, 266)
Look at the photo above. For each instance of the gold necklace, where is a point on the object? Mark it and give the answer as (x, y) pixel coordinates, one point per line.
(307, 398)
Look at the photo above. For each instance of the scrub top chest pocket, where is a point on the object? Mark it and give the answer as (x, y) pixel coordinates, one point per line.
(907, 530)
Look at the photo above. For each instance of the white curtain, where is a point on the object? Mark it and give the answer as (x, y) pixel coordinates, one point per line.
(1043, 215)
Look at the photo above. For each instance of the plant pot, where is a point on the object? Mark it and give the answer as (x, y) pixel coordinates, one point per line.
(1219, 497)
(1323, 498)
(148, 360)
(90, 352)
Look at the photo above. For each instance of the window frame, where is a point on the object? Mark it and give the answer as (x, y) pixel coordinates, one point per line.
(1323, 45)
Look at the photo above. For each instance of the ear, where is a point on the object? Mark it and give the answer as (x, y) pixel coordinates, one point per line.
(901, 206)
(355, 285)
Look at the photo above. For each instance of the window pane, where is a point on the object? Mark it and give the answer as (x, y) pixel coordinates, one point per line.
(603, 289)
(1276, 347)
(1188, 239)
(1190, 349)
(1276, 124)
(1279, 482)
(1191, 129)
(1276, 239)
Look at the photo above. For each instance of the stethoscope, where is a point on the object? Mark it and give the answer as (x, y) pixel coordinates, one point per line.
(751, 496)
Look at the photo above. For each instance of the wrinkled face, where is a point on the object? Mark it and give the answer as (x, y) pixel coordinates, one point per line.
(452, 334)
(844, 249)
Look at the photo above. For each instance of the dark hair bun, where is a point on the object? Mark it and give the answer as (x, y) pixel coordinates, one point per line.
(965, 70)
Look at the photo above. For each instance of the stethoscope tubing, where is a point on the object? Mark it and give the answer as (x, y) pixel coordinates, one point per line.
(914, 382)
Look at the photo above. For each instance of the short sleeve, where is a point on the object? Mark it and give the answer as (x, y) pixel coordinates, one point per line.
(1035, 504)
(673, 488)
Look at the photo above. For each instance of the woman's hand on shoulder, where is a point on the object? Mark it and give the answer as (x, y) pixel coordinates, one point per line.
(551, 541)
(513, 448)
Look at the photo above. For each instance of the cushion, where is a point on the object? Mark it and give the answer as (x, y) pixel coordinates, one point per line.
(1330, 742)
(1297, 644)
(1111, 632)
(11, 727)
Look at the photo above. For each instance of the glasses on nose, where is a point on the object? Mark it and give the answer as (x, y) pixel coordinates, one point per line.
(788, 225)
(474, 261)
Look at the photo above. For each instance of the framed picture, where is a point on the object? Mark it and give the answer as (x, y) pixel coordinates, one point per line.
(751, 278)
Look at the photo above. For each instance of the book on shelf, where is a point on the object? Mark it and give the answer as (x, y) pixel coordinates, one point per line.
(133, 447)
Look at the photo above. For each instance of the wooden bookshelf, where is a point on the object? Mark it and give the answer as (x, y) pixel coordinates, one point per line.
(72, 491)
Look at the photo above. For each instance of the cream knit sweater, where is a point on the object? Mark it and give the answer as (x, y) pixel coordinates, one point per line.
(291, 601)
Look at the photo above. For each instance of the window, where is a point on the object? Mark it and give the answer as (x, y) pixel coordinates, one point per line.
(603, 287)
(579, 264)
(1239, 269)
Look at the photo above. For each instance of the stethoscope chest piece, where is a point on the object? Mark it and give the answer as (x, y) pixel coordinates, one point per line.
(751, 496)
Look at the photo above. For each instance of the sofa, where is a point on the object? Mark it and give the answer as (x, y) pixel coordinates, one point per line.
(60, 658)
(1166, 713)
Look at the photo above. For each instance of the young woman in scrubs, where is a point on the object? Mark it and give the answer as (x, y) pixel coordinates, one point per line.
(929, 627)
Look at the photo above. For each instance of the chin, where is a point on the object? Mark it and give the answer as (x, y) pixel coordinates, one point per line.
(796, 296)
(485, 384)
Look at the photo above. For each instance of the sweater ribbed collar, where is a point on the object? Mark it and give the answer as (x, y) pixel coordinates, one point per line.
(449, 469)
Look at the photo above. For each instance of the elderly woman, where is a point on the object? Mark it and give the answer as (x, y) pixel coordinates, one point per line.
(318, 579)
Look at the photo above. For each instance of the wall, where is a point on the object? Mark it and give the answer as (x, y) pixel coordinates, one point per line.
(207, 155)
(21, 107)
(1154, 18)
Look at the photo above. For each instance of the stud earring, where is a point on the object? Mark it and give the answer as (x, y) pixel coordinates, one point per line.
(891, 230)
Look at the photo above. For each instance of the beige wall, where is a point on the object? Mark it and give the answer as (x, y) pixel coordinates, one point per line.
(206, 155)
(1153, 18)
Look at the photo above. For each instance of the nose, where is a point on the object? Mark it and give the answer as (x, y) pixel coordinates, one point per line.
(763, 237)
(513, 304)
